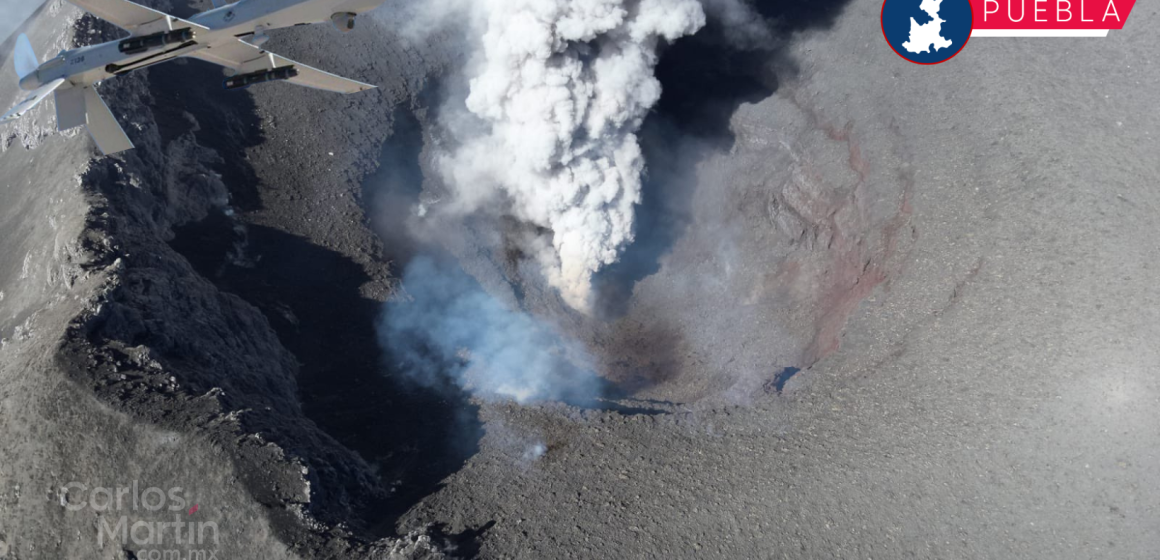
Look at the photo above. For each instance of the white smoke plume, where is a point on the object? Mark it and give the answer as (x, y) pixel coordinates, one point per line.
(544, 130)
(562, 87)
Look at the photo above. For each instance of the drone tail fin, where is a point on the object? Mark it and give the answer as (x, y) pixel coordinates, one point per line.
(24, 58)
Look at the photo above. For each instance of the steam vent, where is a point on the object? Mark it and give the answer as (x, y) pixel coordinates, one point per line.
(579, 279)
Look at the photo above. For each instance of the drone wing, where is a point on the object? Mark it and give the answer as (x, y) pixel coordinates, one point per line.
(133, 17)
(31, 100)
(245, 58)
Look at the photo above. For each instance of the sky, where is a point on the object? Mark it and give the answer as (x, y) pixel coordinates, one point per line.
(13, 13)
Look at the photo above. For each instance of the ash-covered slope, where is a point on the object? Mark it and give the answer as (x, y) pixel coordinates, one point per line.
(122, 367)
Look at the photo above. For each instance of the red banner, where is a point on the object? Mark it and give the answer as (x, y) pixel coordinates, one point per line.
(1044, 15)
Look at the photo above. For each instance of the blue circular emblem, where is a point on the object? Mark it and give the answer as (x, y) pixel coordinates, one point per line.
(927, 31)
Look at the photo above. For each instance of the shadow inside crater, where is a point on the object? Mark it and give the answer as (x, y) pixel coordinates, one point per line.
(413, 436)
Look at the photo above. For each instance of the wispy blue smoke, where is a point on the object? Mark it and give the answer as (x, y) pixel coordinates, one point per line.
(450, 329)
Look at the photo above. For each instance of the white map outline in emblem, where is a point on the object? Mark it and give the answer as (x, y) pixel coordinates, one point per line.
(927, 35)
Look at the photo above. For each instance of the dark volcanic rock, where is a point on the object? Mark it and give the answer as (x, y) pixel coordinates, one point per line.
(162, 348)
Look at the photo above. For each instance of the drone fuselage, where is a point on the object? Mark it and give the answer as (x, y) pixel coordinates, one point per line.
(221, 26)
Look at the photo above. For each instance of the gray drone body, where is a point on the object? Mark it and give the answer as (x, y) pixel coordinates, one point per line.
(230, 36)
